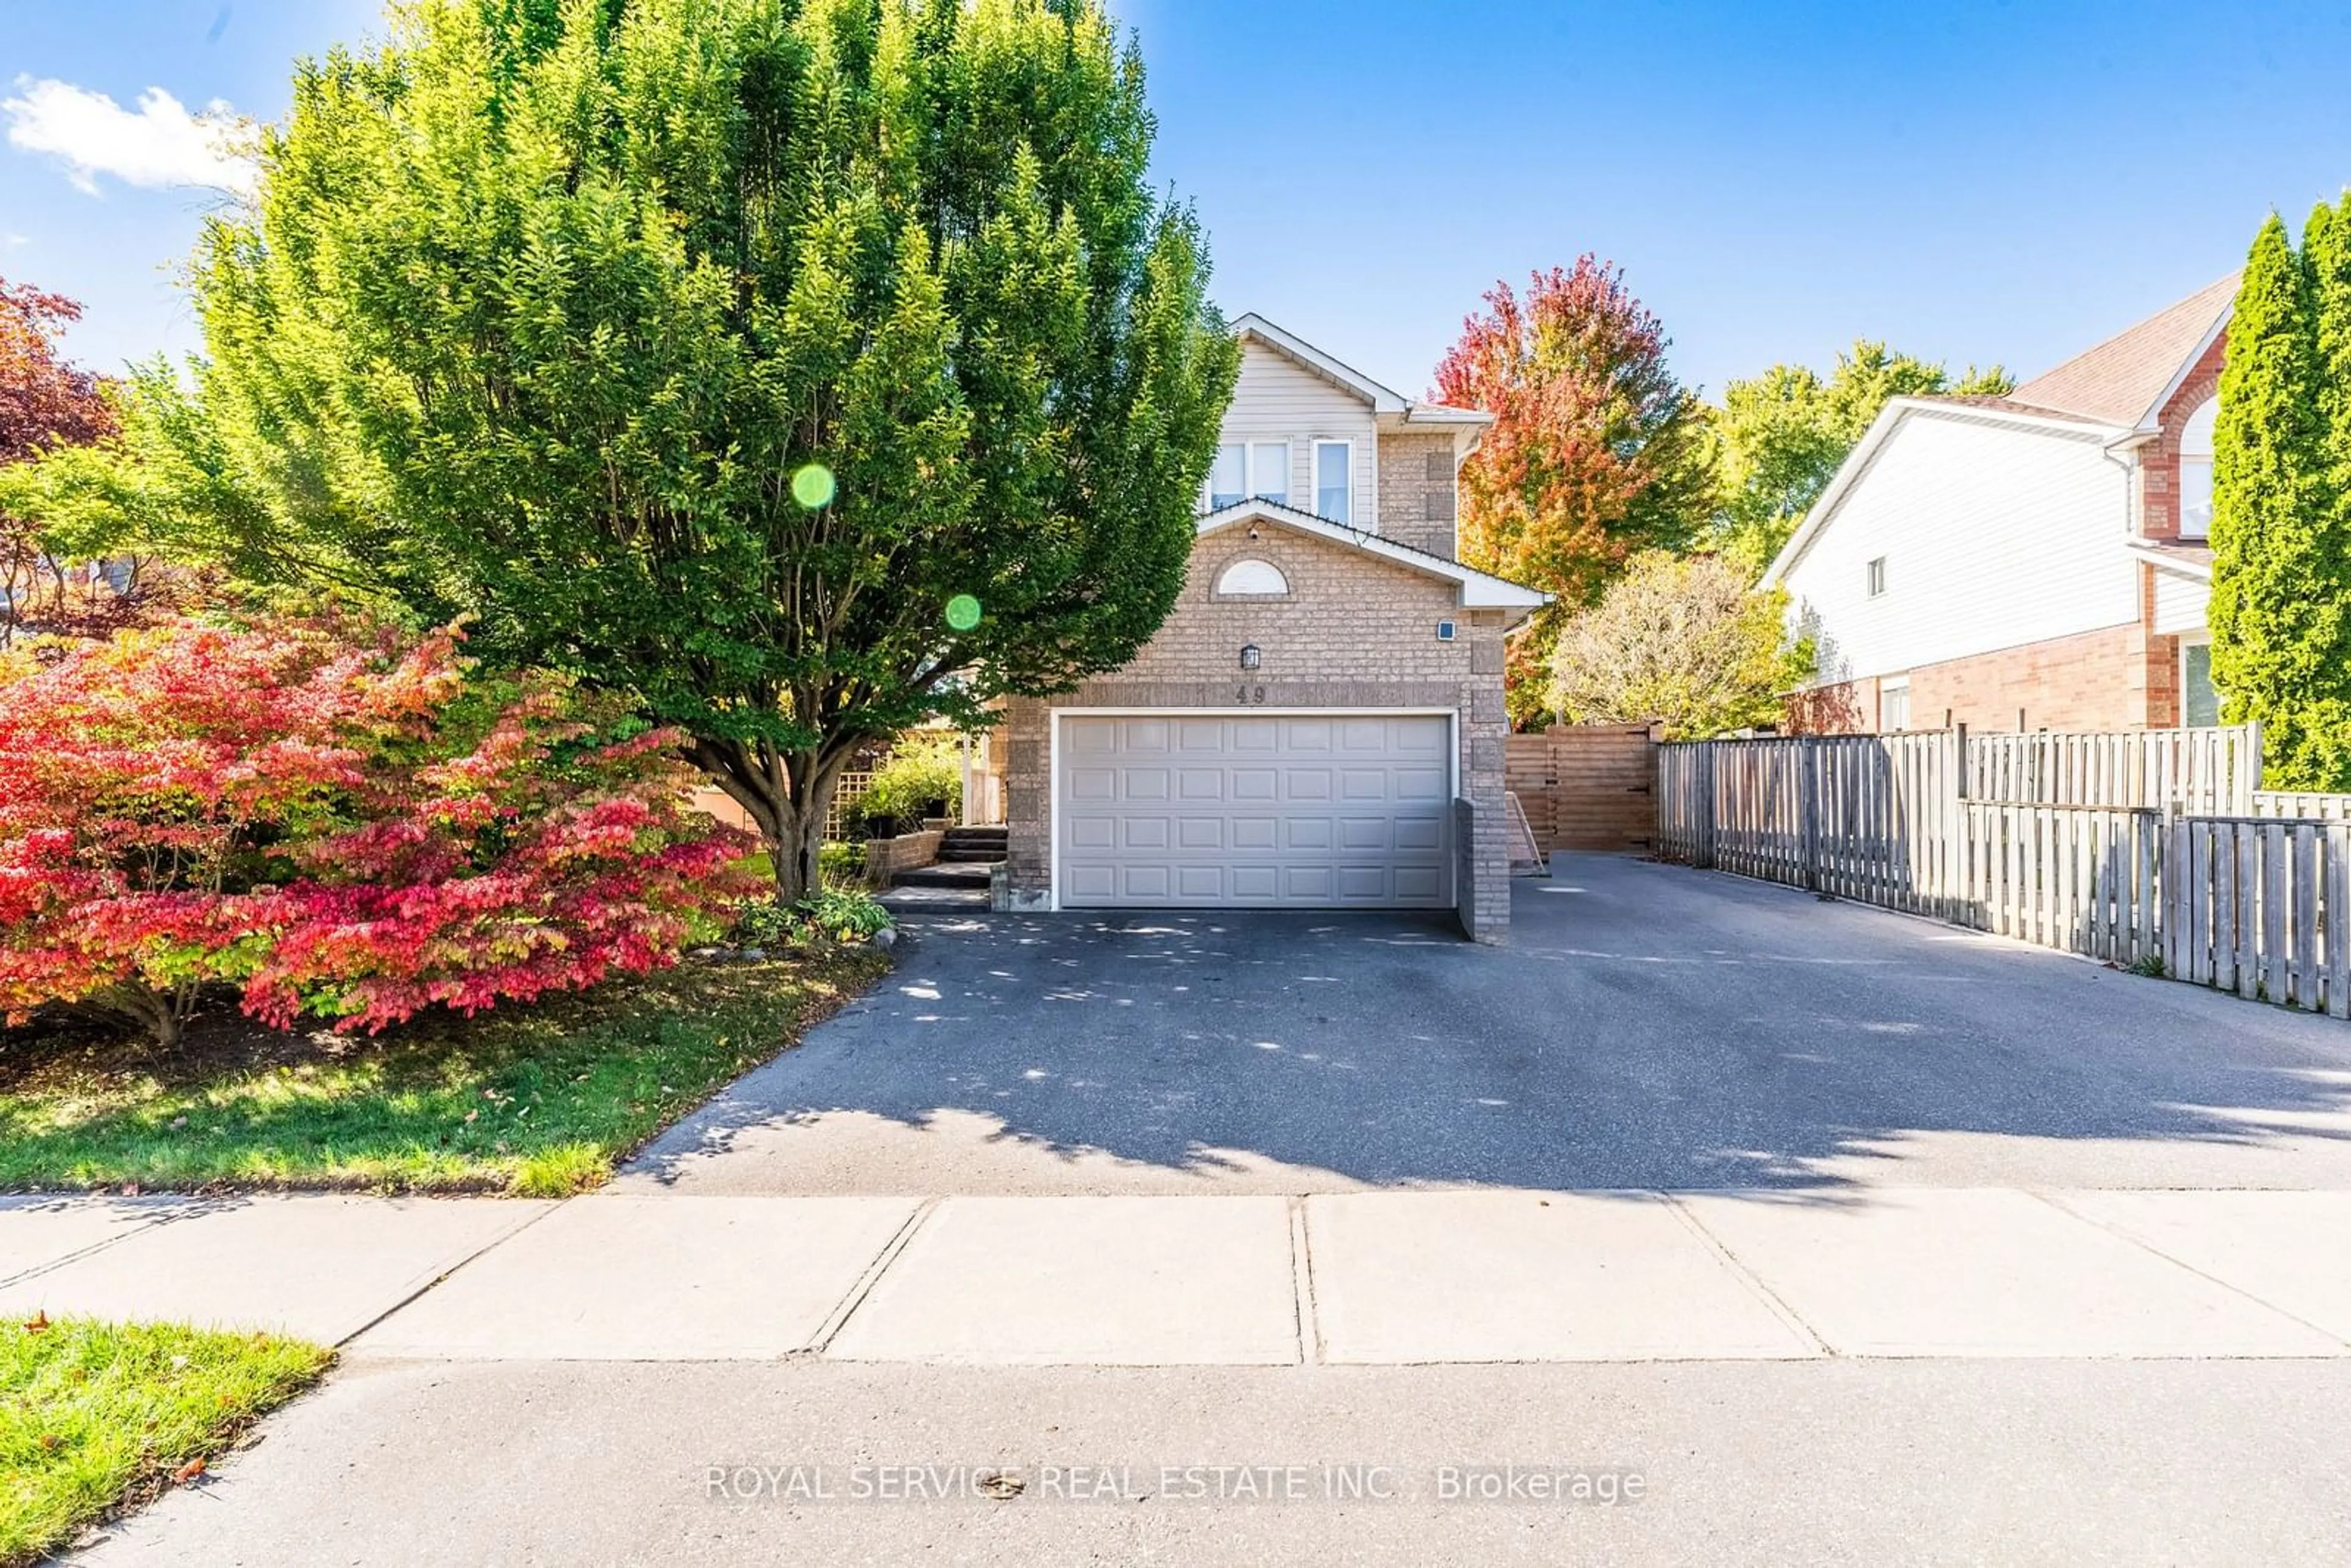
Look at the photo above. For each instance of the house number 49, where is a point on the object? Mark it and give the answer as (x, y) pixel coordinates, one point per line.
(1251, 695)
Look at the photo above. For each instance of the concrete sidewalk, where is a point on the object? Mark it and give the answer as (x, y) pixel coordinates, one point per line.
(1383, 1277)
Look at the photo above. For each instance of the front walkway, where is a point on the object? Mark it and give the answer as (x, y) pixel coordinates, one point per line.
(1336, 1279)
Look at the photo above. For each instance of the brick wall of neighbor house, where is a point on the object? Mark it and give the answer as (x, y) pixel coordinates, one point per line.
(1355, 632)
(2159, 459)
(1418, 492)
(2117, 678)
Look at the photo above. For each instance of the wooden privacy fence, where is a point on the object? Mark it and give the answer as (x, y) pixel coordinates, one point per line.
(1585, 787)
(2262, 906)
(2130, 848)
(2210, 771)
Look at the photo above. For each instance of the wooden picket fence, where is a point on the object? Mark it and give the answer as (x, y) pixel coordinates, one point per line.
(2302, 803)
(2262, 906)
(2132, 848)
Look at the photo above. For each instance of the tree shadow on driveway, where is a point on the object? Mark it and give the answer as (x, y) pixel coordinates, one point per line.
(1648, 1027)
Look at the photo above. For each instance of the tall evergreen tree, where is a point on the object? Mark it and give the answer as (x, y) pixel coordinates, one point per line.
(2326, 251)
(2280, 611)
(806, 368)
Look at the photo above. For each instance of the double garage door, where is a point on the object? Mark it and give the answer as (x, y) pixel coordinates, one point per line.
(1249, 811)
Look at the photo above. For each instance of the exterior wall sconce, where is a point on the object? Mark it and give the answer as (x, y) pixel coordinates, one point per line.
(1249, 656)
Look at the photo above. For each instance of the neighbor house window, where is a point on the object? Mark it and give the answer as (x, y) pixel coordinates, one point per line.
(2200, 704)
(1333, 483)
(1250, 470)
(1878, 577)
(2196, 472)
(1894, 706)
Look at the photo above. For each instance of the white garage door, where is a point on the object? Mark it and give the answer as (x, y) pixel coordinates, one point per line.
(1255, 811)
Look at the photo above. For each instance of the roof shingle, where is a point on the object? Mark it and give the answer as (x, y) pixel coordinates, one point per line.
(2117, 382)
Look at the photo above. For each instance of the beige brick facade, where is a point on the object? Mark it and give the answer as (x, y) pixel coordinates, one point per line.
(1419, 493)
(1354, 631)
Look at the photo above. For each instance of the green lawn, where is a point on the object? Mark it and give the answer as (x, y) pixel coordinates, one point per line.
(95, 1416)
(534, 1100)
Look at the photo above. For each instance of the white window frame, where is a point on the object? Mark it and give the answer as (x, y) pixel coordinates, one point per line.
(1258, 489)
(1253, 486)
(1897, 686)
(2186, 643)
(1239, 570)
(1314, 478)
(1879, 576)
(2203, 459)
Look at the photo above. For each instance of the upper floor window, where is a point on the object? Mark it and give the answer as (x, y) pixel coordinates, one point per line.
(1335, 481)
(1250, 470)
(1878, 577)
(2196, 472)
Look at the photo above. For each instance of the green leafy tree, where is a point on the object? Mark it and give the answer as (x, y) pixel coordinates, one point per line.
(1778, 438)
(1685, 641)
(733, 353)
(2281, 608)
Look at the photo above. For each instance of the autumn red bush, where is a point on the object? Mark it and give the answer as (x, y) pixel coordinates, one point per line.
(337, 822)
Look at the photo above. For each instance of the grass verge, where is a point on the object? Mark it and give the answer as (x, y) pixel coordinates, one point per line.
(538, 1100)
(99, 1417)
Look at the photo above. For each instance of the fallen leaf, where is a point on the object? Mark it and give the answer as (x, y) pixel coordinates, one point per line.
(189, 1471)
(51, 1442)
(37, 1321)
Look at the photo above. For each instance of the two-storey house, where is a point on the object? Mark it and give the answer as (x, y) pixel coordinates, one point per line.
(2032, 562)
(1319, 724)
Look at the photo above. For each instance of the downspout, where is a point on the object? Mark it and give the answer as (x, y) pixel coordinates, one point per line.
(2123, 454)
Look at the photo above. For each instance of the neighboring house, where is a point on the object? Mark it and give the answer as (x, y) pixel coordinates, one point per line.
(2033, 562)
(1320, 723)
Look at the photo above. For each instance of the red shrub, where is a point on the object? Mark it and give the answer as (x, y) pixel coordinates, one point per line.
(347, 826)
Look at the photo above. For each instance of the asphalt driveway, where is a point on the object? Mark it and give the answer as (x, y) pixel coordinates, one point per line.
(1649, 1026)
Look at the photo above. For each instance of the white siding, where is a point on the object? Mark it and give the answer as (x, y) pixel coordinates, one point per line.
(2181, 602)
(1277, 397)
(1993, 536)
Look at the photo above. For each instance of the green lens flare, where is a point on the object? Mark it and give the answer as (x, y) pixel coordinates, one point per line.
(963, 612)
(813, 486)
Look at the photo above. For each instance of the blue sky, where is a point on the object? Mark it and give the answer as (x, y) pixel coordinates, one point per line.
(1972, 181)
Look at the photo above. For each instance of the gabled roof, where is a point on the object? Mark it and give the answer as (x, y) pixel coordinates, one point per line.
(1385, 402)
(1994, 410)
(1479, 590)
(2127, 379)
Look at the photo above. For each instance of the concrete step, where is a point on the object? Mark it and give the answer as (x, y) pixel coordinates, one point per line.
(976, 854)
(995, 836)
(945, 876)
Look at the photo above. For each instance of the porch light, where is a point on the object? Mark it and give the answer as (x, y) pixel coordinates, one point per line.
(1248, 656)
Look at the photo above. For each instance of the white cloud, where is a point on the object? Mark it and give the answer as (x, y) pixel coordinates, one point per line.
(160, 146)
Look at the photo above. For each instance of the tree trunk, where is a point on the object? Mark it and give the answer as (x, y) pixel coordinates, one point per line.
(794, 851)
(162, 1017)
(786, 795)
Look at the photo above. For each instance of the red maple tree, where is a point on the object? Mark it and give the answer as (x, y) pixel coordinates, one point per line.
(1595, 454)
